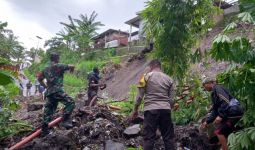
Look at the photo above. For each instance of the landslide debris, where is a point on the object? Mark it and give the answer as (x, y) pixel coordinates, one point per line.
(100, 128)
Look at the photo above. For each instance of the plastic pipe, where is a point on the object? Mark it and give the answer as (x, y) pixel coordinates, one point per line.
(34, 135)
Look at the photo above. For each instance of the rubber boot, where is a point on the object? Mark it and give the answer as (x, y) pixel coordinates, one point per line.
(45, 130)
(67, 122)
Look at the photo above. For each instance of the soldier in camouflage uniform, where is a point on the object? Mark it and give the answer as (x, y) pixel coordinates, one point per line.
(55, 93)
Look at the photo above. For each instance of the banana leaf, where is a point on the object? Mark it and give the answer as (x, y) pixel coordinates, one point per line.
(5, 78)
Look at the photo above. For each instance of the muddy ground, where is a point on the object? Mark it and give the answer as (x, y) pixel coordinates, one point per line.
(99, 128)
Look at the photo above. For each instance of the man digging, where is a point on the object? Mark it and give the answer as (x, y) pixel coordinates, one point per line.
(225, 113)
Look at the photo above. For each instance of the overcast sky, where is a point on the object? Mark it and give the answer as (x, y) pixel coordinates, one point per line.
(31, 18)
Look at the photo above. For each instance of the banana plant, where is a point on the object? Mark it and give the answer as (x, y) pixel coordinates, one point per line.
(7, 72)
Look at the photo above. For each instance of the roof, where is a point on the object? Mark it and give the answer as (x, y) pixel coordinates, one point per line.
(134, 33)
(107, 32)
(134, 21)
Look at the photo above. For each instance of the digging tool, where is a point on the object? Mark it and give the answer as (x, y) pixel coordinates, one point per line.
(34, 135)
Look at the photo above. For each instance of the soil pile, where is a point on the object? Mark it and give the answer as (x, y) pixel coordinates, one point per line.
(100, 128)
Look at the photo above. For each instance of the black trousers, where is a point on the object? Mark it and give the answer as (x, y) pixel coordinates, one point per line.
(154, 119)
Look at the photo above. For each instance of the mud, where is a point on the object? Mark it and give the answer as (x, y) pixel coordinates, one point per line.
(98, 128)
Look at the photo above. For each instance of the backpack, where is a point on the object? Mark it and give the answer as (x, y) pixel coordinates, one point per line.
(234, 108)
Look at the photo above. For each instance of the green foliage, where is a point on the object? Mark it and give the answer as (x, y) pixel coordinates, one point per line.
(199, 101)
(175, 25)
(8, 126)
(85, 67)
(242, 140)
(30, 76)
(10, 47)
(7, 72)
(239, 77)
(100, 54)
(246, 17)
(5, 78)
(73, 85)
(128, 105)
(79, 32)
(131, 148)
(248, 6)
(230, 27)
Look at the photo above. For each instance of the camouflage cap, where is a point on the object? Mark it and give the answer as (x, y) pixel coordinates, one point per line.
(208, 79)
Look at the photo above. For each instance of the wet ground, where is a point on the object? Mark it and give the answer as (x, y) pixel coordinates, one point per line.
(100, 128)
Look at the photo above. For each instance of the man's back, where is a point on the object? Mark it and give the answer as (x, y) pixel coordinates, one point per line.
(158, 91)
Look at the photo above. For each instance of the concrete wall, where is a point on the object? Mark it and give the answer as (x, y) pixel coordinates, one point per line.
(121, 38)
(233, 9)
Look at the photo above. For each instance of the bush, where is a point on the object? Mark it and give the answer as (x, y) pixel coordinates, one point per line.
(127, 106)
(84, 67)
(8, 127)
(73, 84)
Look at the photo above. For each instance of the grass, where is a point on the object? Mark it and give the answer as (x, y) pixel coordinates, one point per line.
(12, 89)
(73, 85)
(131, 148)
(127, 106)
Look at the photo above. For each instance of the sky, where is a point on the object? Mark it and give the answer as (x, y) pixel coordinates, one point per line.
(31, 18)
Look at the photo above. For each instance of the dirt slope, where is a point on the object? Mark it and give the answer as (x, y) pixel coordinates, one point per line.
(129, 73)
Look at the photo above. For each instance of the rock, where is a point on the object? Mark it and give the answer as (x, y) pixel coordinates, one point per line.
(111, 145)
(132, 131)
(86, 148)
(93, 147)
(95, 134)
(186, 92)
(84, 140)
(34, 106)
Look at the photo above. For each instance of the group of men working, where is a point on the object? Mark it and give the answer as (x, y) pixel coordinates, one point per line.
(156, 89)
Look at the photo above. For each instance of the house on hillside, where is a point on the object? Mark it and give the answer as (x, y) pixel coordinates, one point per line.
(137, 23)
(111, 38)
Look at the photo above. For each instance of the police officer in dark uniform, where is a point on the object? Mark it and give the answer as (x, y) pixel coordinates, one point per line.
(55, 93)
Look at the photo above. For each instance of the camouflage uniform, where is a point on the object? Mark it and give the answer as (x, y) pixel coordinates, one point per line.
(55, 93)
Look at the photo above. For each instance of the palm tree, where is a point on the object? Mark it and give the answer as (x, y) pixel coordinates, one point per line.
(79, 32)
(69, 33)
(87, 27)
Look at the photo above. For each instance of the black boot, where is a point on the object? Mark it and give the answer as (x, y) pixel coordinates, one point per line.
(67, 122)
(45, 130)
